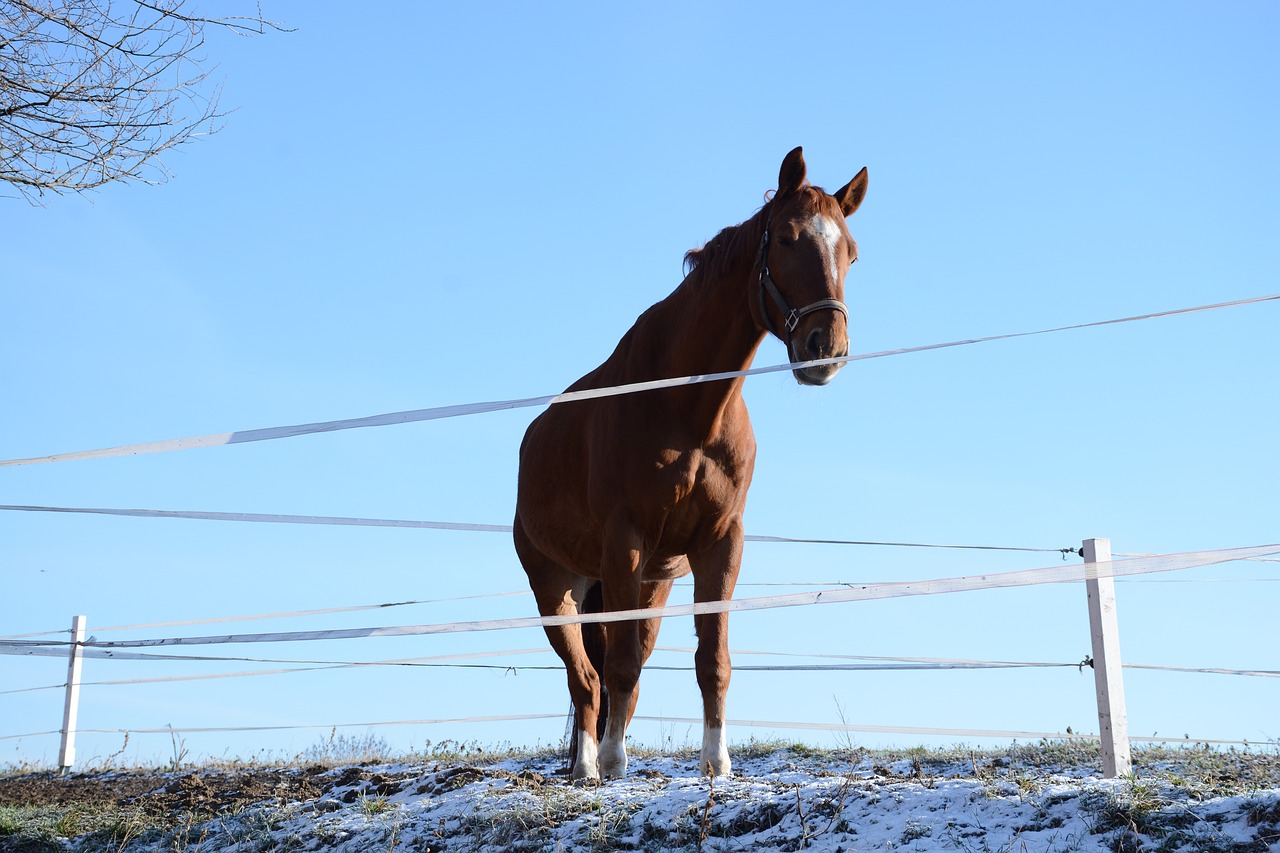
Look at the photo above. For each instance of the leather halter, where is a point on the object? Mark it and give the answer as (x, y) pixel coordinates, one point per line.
(791, 316)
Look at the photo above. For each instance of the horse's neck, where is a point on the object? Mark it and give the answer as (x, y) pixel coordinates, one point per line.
(705, 326)
(710, 329)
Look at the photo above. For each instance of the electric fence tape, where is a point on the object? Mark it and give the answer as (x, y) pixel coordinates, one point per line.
(1053, 574)
(440, 412)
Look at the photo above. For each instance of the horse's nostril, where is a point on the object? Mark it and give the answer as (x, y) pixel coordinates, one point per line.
(814, 343)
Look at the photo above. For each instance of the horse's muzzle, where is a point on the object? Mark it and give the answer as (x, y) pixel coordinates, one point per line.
(818, 344)
(819, 374)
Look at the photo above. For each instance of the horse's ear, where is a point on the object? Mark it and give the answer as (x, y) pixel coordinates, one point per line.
(851, 194)
(791, 175)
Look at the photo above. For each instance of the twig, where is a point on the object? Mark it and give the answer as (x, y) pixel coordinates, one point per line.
(704, 829)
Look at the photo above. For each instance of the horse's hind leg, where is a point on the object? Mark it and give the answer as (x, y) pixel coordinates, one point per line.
(653, 594)
(628, 645)
(560, 592)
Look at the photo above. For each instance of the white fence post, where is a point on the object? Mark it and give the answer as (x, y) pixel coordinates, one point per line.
(67, 753)
(1113, 722)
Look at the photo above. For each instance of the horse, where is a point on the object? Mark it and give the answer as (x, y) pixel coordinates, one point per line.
(619, 496)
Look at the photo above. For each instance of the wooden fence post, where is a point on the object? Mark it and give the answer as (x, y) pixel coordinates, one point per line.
(1113, 722)
(70, 711)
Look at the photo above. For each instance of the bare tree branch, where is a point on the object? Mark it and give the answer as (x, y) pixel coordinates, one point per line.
(94, 91)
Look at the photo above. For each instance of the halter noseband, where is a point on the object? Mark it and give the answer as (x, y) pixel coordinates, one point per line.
(790, 316)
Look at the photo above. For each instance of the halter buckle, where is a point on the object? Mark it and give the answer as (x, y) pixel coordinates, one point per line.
(793, 320)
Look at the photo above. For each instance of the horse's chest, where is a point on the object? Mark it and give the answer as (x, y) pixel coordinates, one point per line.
(695, 480)
(698, 493)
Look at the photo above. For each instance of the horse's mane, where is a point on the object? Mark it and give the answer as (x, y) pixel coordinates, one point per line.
(722, 250)
(725, 248)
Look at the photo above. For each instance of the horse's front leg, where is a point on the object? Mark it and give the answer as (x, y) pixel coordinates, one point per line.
(623, 655)
(715, 572)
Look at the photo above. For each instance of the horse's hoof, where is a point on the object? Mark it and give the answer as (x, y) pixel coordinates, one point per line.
(715, 752)
(585, 775)
(717, 765)
(613, 761)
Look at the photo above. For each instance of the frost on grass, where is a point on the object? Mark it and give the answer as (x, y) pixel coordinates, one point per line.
(1045, 797)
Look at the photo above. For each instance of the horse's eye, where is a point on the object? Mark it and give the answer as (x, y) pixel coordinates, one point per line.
(786, 241)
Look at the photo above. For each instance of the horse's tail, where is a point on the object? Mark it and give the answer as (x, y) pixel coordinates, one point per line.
(593, 643)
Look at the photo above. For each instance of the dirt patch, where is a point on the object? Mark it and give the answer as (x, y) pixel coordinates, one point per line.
(207, 791)
(42, 789)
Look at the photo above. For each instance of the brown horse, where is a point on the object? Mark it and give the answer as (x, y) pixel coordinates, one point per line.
(619, 496)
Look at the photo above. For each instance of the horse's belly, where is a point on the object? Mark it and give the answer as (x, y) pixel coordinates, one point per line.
(665, 568)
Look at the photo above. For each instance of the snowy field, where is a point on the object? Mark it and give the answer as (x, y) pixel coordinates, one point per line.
(1047, 797)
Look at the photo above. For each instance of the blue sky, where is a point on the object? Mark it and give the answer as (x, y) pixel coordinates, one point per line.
(457, 205)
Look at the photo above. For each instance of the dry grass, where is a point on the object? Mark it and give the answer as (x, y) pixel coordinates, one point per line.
(166, 807)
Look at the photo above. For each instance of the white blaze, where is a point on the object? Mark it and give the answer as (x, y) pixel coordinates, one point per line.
(828, 235)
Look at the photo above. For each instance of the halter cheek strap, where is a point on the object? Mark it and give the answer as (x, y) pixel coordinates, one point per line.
(790, 316)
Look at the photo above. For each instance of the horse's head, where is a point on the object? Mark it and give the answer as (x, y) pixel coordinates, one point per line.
(804, 255)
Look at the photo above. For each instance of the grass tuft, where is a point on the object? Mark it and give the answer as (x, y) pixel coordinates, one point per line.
(526, 807)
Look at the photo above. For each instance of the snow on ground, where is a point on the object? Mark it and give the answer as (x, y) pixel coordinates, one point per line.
(780, 800)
